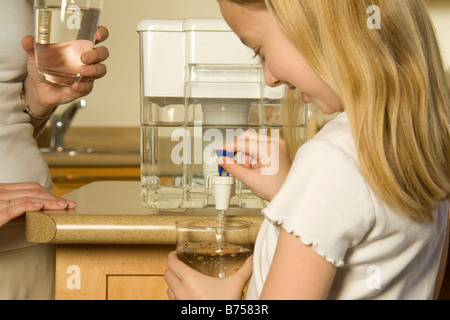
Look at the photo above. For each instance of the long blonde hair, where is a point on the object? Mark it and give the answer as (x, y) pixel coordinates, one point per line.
(393, 87)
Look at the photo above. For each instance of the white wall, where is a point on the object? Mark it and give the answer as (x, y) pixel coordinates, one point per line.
(440, 13)
(115, 100)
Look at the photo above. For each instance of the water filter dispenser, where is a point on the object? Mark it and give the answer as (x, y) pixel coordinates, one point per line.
(200, 87)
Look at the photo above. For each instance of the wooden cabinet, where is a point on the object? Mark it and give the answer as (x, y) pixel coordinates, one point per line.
(111, 272)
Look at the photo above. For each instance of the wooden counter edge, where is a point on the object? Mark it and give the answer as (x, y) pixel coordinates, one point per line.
(40, 228)
(67, 228)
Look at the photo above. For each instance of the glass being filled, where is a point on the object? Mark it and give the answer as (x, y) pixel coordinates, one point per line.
(212, 249)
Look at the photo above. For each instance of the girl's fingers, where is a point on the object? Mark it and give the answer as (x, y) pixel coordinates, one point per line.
(172, 282)
(170, 294)
(248, 174)
(251, 144)
(245, 272)
(173, 274)
(242, 144)
(176, 266)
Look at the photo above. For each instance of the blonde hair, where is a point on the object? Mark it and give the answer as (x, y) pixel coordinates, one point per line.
(393, 87)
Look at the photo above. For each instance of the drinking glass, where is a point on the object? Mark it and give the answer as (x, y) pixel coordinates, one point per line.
(64, 30)
(214, 247)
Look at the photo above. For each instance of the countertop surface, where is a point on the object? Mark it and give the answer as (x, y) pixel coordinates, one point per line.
(112, 213)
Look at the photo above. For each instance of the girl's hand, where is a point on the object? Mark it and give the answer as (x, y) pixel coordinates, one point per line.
(265, 163)
(186, 283)
(42, 98)
(18, 198)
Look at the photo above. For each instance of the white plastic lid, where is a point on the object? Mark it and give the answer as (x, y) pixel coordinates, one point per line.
(205, 25)
(162, 25)
(166, 25)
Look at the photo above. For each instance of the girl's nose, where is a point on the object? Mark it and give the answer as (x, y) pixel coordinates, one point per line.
(271, 81)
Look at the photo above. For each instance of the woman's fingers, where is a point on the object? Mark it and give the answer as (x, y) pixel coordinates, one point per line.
(48, 204)
(18, 193)
(11, 212)
(93, 71)
(96, 55)
(28, 44)
(101, 35)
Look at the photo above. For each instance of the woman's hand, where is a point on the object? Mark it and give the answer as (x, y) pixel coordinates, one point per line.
(18, 198)
(265, 162)
(186, 283)
(42, 98)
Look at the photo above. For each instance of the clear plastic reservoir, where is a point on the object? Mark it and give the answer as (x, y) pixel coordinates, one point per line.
(200, 87)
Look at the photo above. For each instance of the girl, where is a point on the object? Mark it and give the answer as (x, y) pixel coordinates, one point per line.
(363, 211)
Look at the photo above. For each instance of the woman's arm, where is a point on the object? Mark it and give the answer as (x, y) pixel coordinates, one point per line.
(297, 272)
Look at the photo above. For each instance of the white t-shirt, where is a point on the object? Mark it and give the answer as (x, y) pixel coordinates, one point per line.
(326, 202)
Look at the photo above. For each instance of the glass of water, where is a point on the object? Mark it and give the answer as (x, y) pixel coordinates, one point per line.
(215, 247)
(64, 30)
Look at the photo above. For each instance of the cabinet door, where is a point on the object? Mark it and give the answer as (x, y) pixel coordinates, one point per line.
(145, 287)
(95, 272)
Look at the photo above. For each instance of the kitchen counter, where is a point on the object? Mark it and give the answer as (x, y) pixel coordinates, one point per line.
(111, 247)
(112, 213)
